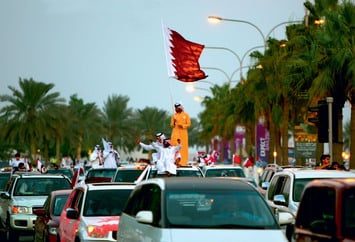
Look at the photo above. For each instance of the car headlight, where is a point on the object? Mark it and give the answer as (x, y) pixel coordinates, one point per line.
(21, 209)
(96, 232)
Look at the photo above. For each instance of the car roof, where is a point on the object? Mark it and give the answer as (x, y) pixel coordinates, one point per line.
(189, 183)
(105, 186)
(37, 174)
(339, 183)
(311, 173)
(221, 167)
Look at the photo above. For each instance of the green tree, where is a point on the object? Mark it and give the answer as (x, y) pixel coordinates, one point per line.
(118, 122)
(29, 112)
(84, 119)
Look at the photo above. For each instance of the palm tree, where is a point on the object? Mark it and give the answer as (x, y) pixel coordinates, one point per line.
(27, 117)
(117, 118)
(84, 120)
(337, 65)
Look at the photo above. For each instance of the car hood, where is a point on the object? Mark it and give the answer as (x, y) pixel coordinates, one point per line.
(29, 201)
(213, 235)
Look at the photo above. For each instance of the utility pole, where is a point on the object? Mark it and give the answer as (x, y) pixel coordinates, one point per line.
(330, 127)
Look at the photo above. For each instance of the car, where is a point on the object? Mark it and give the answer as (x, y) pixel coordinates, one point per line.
(332, 219)
(92, 211)
(286, 187)
(269, 172)
(65, 171)
(127, 174)
(183, 171)
(47, 222)
(25, 192)
(223, 170)
(209, 209)
(99, 174)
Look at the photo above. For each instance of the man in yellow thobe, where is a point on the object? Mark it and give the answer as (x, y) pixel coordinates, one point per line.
(180, 122)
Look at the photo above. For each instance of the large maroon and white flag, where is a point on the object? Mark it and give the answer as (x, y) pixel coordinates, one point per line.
(182, 57)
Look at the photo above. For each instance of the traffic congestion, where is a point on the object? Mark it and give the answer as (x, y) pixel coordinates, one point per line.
(136, 202)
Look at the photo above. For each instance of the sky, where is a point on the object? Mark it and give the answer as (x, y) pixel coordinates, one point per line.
(100, 48)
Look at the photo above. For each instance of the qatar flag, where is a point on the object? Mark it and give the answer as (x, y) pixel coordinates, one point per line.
(182, 57)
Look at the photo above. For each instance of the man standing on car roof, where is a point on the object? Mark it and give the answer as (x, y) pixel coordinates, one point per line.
(111, 156)
(159, 141)
(96, 157)
(180, 122)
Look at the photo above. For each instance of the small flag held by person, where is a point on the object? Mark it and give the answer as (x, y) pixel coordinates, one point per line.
(182, 57)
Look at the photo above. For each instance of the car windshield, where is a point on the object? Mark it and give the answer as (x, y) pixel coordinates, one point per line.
(66, 172)
(58, 204)
(218, 209)
(105, 202)
(299, 186)
(224, 172)
(127, 175)
(40, 186)
(189, 173)
(101, 173)
(179, 172)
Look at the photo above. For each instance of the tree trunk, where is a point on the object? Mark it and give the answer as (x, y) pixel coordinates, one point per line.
(284, 132)
(352, 131)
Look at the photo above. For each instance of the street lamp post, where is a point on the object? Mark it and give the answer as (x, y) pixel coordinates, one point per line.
(240, 61)
(216, 19)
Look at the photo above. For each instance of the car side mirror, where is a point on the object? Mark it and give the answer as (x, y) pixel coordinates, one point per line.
(72, 213)
(5, 195)
(265, 185)
(145, 217)
(280, 199)
(285, 218)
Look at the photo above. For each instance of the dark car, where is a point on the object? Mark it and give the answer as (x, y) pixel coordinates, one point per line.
(47, 222)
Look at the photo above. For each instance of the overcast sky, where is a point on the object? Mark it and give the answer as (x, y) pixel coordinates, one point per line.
(96, 48)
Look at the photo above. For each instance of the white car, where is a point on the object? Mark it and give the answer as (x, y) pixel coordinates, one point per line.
(285, 190)
(174, 209)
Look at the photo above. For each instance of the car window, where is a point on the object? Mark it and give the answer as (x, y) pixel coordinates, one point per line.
(101, 173)
(58, 204)
(237, 209)
(224, 172)
(319, 218)
(37, 186)
(4, 178)
(146, 198)
(105, 202)
(127, 175)
(275, 187)
(348, 213)
(189, 173)
(66, 172)
(75, 203)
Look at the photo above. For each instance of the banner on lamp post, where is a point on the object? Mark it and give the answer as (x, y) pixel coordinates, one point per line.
(262, 143)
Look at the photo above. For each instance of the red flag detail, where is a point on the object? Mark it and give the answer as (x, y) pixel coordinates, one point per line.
(185, 55)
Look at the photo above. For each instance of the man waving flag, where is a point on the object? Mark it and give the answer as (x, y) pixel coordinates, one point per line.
(182, 57)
